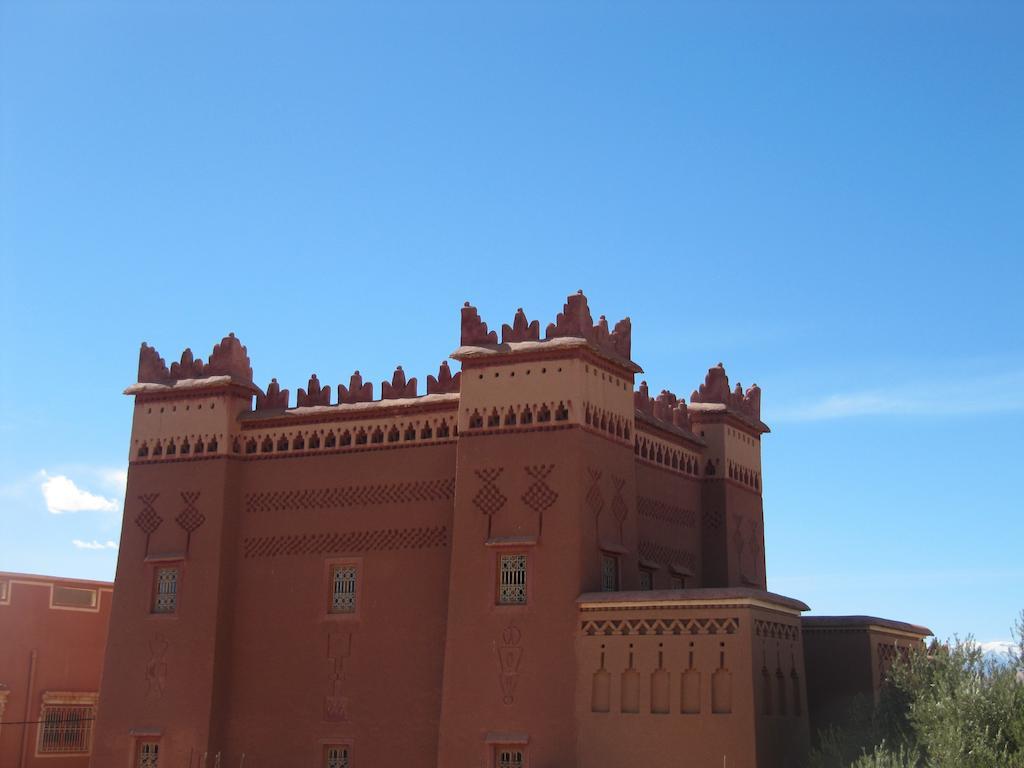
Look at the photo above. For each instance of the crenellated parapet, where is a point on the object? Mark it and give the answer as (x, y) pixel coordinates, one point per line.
(398, 387)
(574, 321)
(445, 383)
(666, 407)
(356, 391)
(229, 358)
(314, 394)
(274, 399)
(715, 389)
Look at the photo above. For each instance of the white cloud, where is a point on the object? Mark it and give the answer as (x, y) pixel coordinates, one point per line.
(1002, 393)
(62, 495)
(94, 544)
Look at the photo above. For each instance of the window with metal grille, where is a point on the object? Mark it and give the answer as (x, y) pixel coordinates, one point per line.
(65, 729)
(609, 573)
(646, 579)
(165, 590)
(336, 757)
(512, 579)
(149, 755)
(678, 582)
(509, 758)
(343, 589)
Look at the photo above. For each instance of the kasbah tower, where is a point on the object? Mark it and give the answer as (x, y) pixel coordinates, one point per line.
(535, 564)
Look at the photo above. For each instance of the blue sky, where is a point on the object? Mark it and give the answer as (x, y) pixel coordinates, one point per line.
(825, 197)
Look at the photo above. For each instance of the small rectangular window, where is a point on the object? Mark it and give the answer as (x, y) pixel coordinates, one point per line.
(512, 579)
(678, 582)
(509, 758)
(73, 597)
(65, 726)
(336, 757)
(609, 572)
(343, 588)
(149, 755)
(165, 590)
(646, 579)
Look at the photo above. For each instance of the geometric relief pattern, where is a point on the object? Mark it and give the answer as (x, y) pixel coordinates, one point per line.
(659, 553)
(539, 495)
(148, 520)
(351, 495)
(354, 541)
(190, 518)
(712, 519)
(776, 630)
(666, 513)
(594, 498)
(677, 626)
(489, 499)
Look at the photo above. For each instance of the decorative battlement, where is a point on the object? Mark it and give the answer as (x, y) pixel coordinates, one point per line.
(715, 389)
(666, 407)
(229, 358)
(574, 321)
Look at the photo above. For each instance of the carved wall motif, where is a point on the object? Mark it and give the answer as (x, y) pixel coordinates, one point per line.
(660, 553)
(148, 520)
(517, 416)
(539, 496)
(594, 499)
(510, 654)
(620, 509)
(629, 687)
(341, 543)
(679, 626)
(190, 518)
(776, 630)
(489, 499)
(654, 509)
(156, 667)
(339, 648)
(746, 542)
(660, 684)
(606, 421)
(351, 496)
(666, 455)
(711, 519)
(601, 685)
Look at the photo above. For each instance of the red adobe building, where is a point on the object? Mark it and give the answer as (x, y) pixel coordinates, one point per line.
(52, 636)
(532, 564)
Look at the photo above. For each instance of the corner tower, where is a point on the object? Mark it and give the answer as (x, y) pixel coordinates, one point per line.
(545, 483)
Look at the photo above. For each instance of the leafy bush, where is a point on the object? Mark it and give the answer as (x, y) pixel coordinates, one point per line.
(948, 707)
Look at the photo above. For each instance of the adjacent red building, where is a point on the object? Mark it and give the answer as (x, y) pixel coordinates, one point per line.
(52, 636)
(532, 564)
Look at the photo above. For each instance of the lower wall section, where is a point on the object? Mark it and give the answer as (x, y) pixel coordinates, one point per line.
(703, 677)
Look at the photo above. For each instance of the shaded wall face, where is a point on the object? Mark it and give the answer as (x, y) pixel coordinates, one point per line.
(52, 636)
(510, 669)
(657, 685)
(371, 678)
(669, 527)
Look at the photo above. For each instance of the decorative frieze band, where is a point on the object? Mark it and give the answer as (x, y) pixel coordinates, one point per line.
(343, 543)
(351, 496)
(656, 626)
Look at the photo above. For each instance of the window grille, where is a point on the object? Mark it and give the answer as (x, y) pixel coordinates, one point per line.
(149, 755)
(512, 579)
(336, 757)
(646, 579)
(678, 582)
(66, 729)
(609, 573)
(165, 598)
(510, 758)
(343, 589)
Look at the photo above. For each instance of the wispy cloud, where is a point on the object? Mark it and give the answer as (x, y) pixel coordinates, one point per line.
(1000, 647)
(62, 495)
(1001, 393)
(94, 544)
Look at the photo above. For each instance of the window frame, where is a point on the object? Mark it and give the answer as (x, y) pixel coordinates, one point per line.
(649, 573)
(67, 700)
(140, 744)
(167, 565)
(325, 748)
(500, 555)
(326, 601)
(617, 560)
(520, 748)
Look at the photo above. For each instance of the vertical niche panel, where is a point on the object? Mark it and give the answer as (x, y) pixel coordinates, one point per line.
(689, 693)
(794, 678)
(630, 703)
(660, 685)
(780, 685)
(721, 686)
(601, 688)
(766, 684)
